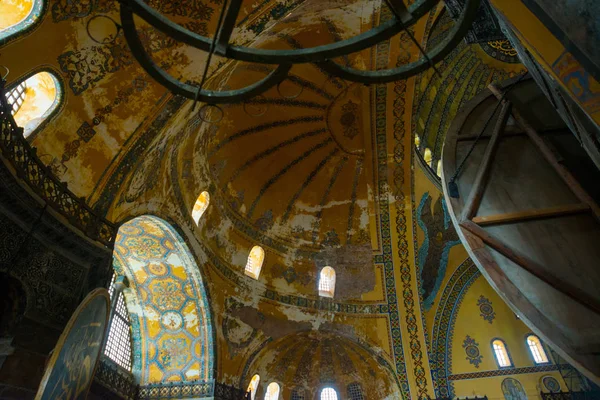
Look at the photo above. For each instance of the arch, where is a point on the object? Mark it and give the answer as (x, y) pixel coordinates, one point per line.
(253, 386)
(501, 353)
(355, 391)
(18, 17)
(328, 393)
(255, 261)
(118, 343)
(200, 206)
(34, 100)
(536, 349)
(272, 392)
(327, 282)
(168, 305)
(513, 390)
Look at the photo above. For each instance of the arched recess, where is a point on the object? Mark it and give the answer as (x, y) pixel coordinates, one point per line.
(167, 302)
(35, 99)
(18, 17)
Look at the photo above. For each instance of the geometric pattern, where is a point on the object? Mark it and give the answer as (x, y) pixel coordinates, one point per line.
(502, 372)
(171, 321)
(486, 309)
(473, 355)
(551, 384)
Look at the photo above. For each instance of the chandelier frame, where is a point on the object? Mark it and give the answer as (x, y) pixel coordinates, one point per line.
(403, 18)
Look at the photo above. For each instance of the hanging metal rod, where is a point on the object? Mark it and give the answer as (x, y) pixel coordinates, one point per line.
(284, 59)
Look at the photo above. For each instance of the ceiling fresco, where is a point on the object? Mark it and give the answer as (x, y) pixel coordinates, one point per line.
(171, 321)
(108, 96)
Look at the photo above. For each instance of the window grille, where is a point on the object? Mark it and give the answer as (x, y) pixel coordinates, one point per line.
(298, 394)
(16, 97)
(355, 391)
(329, 394)
(327, 282)
(118, 345)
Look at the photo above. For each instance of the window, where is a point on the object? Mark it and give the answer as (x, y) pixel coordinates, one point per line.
(298, 394)
(200, 206)
(439, 168)
(536, 349)
(417, 141)
(272, 391)
(329, 394)
(33, 100)
(118, 344)
(501, 353)
(428, 156)
(327, 282)
(355, 391)
(17, 15)
(253, 386)
(255, 261)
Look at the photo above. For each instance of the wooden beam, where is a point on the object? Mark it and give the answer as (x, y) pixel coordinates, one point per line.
(533, 267)
(563, 172)
(478, 187)
(525, 215)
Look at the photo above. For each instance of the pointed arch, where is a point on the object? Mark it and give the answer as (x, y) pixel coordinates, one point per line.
(501, 353)
(255, 261)
(200, 206)
(168, 305)
(536, 349)
(18, 17)
(272, 392)
(253, 386)
(34, 100)
(327, 282)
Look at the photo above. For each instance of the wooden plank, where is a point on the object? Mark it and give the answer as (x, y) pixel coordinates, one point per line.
(563, 172)
(549, 212)
(472, 203)
(533, 267)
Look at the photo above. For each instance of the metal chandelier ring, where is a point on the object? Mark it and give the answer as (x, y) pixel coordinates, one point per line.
(187, 90)
(307, 55)
(405, 71)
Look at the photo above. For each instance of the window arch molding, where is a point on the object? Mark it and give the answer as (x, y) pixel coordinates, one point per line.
(58, 103)
(501, 353)
(26, 25)
(536, 349)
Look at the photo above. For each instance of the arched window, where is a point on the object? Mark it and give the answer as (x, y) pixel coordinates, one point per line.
(33, 100)
(272, 391)
(327, 282)
(417, 141)
(118, 344)
(536, 349)
(428, 156)
(298, 394)
(329, 394)
(355, 391)
(253, 386)
(200, 206)
(501, 353)
(17, 15)
(255, 261)
(439, 168)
